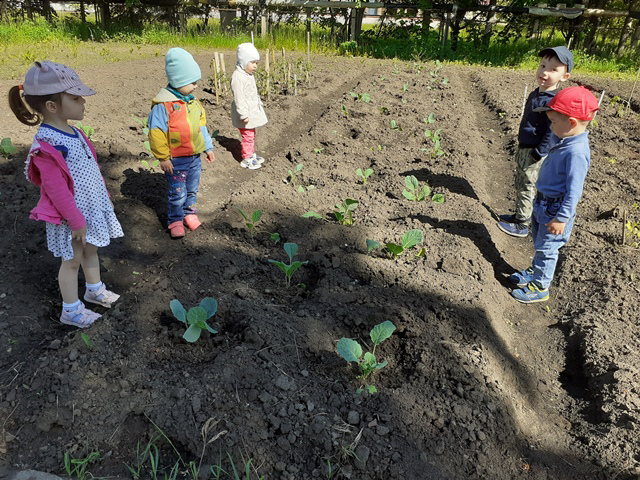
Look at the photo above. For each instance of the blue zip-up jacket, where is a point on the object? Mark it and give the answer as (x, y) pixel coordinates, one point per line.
(563, 172)
(535, 127)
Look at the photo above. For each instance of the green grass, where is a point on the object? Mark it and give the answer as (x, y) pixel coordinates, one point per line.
(68, 40)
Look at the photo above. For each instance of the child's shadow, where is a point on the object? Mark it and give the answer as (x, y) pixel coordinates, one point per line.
(149, 188)
(231, 145)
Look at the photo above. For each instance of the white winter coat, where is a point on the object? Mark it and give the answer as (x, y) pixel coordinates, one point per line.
(246, 101)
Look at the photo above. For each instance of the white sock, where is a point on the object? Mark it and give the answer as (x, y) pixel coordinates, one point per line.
(93, 287)
(68, 307)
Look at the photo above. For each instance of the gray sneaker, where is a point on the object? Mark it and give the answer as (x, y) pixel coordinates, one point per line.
(257, 158)
(250, 163)
(81, 317)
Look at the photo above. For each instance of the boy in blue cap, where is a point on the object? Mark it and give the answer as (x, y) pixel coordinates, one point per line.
(178, 135)
(559, 185)
(535, 137)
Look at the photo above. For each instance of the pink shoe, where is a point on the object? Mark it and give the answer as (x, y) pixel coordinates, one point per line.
(176, 229)
(102, 296)
(81, 317)
(192, 222)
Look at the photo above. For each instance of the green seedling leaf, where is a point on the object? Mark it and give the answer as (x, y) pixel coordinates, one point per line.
(371, 389)
(411, 238)
(371, 245)
(394, 249)
(351, 204)
(382, 331)
(300, 189)
(431, 118)
(196, 315)
(275, 237)
(86, 340)
(408, 195)
(192, 334)
(291, 249)
(178, 310)
(210, 306)
(147, 145)
(145, 130)
(144, 163)
(369, 362)
(312, 215)
(381, 365)
(349, 349)
(438, 198)
(411, 182)
(215, 133)
(256, 216)
(422, 252)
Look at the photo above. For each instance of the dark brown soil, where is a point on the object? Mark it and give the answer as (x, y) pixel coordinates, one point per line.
(477, 386)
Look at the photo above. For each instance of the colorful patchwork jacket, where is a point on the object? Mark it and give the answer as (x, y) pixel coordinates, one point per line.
(176, 128)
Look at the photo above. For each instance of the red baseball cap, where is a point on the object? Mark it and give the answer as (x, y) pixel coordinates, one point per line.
(576, 102)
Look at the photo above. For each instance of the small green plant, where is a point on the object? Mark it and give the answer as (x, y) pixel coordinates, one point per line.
(86, 340)
(394, 125)
(409, 240)
(6, 148)
(377, 148)
(78, 466)
(294, 177)
(312, 214)
(318, 150)
(434, 73)
(344, 211)
(632, 228)
(372, 245)
(417, 193)
(364, 175)
(289, 268)
(344, 110)
(143, 122)
(87, 129)
(351, 351)
(405, 87)
(361, 97)
(430, 119)
(434, 136)
(196, 318)
(275, 237)
(617, 103)
(251, 222)
(384, 110)
(445, 80)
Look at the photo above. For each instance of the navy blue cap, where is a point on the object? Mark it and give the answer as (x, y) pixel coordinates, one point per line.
(563, 54)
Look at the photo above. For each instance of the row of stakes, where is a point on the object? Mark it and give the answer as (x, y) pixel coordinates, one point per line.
(220, 73)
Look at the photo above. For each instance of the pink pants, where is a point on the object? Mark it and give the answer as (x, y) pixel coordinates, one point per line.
(248, 141)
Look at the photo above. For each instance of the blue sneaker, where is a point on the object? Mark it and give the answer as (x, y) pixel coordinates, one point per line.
(257, 158)
(531, 294)
(522, 278)
(514, 229)
(508, 217)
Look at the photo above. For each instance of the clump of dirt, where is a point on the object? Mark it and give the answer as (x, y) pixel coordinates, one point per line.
(476, 386)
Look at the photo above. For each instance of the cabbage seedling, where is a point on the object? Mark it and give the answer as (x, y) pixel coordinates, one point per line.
(251, 222)
(344, 211)
(409, 240)
(6, 148)
(364, 175)
(290, 268)
(196, 318)
(351, 351)
(372, 245)
(414, 191)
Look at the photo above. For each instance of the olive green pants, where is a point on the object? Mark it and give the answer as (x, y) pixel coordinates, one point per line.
(527, 170)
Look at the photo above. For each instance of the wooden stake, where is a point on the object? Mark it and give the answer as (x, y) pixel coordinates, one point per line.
(273, 57)
(295, 84)
(223, 69)
(288, 75)
(596, 112)
(266, 68)
(215, 83)
(524, 100)
(216, 57)
(283, 55)
(309, 48)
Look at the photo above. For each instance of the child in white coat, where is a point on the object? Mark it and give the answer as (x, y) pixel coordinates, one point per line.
(247, 112)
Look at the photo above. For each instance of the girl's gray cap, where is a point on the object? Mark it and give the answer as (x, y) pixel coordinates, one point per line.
(563, 54)
(47, 78)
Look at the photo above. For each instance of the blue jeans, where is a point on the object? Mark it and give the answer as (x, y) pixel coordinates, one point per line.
(183, 186)
(546, 244)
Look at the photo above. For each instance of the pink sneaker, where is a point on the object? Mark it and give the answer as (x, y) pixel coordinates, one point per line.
(192, 222)
(102, 296)
(176, 229)
(81, 317)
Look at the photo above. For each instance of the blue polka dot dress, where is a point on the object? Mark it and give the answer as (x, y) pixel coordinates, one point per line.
(90, 194)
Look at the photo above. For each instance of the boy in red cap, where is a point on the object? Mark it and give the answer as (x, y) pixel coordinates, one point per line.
(559, 185)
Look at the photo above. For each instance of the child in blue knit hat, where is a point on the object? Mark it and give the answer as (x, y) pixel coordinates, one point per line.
(178, 135)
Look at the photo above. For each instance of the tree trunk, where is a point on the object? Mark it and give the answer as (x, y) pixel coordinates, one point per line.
(488, 26)
(636, 36)
(624, 35)
(426, 20)
(83, 12)
(105, 14)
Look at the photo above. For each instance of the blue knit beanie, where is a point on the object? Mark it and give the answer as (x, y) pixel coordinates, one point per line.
(181, 68)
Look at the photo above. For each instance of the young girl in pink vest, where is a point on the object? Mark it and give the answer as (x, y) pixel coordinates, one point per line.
(74, 202)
